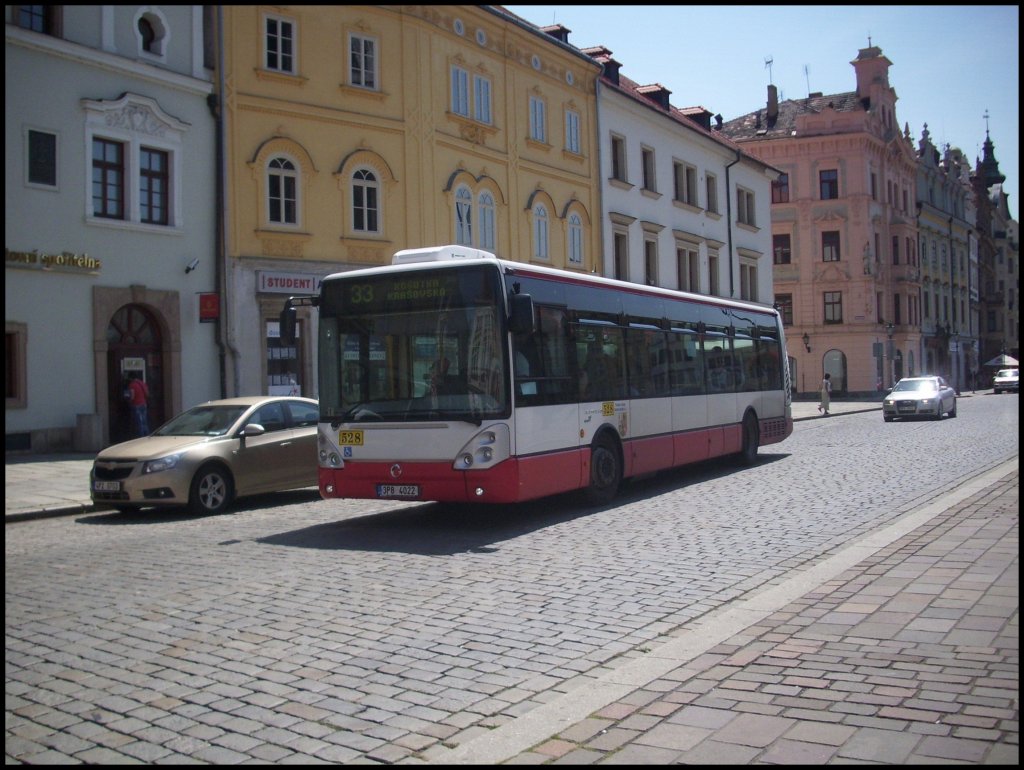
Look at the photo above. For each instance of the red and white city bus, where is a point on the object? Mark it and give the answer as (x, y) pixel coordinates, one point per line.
(452, 375)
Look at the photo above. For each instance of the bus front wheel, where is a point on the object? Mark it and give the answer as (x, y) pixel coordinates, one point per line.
(605, 472)
(751, 440)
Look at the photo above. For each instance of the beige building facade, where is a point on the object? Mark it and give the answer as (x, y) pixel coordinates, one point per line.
(351, 132)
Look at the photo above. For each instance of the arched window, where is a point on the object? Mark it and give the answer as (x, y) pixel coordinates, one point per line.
(147, 33)
(575, 239)
(365, 202)
(151, 33)
(463, 217)
(282, 192)
(487, 225)
(540, 231)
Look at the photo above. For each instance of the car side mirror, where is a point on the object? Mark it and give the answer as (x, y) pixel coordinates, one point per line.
(253, 429)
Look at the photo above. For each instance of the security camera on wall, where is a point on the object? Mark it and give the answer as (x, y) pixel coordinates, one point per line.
(192, 265)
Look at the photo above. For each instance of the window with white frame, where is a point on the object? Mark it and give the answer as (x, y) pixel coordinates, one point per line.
(620, 246)
(463, 216)
(279, 44)
(538, 120)
(154, 183)
(833, 301)
(482, 99)
(830, 246)
(572, 131)
(647, 169)
(711, 183)
(575, 240)
(650, 261)
(362, 61)
(748, 279)
(713, 273)
(365, 202)
(745, 207)
(688, 268)
(282, 192)
(108, 178)
(134, 162)
(618, 158)
(540, 231)
(685, 183)
(460, 91)
(487, 223)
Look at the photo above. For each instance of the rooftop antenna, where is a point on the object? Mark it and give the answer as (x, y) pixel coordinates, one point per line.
(768, 64)
(807, 77)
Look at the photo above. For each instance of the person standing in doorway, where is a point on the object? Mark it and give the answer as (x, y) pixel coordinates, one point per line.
(826, 393)
(138, 400)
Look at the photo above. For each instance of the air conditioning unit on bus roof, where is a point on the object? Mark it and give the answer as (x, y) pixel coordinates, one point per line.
(439, 254)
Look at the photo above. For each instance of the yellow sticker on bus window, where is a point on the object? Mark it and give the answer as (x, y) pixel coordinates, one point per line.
(607, 408)
(350, 438)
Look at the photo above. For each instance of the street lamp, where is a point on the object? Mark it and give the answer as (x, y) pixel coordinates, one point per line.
(807, 342)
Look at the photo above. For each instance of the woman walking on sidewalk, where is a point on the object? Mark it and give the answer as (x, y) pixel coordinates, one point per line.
(826, 393)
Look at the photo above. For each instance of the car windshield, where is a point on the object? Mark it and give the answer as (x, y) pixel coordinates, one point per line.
(202, 421)
(909, 386)
(1007, 373)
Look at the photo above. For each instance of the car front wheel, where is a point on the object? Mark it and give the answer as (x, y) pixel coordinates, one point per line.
(211, 490)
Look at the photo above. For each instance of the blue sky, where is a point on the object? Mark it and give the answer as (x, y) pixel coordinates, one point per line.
(950, 64)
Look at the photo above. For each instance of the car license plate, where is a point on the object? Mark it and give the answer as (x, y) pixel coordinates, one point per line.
(398, 490)
(350, 438)
(106, 486)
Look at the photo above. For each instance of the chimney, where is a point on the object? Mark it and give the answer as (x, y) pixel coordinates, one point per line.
(773, 105)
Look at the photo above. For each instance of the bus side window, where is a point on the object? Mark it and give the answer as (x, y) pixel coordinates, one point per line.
(602, 365)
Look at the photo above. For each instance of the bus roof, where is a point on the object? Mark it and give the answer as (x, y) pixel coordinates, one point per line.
(447, 257)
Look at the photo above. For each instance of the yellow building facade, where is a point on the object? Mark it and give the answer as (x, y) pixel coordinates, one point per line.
(351, 132)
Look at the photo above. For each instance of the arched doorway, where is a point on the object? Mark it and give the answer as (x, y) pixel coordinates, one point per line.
(134, 345)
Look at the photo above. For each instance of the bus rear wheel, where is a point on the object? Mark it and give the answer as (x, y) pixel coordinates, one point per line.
(605, 472)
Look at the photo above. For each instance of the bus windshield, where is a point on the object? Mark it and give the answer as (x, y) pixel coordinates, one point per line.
(414, 345)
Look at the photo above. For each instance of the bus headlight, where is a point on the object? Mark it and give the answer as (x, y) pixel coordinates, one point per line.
(486, 449)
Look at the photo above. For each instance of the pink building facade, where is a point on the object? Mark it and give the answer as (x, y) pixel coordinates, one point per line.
(847, 274)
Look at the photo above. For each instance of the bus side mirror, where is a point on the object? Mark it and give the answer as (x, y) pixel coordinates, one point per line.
(521, 318)
(287, 325)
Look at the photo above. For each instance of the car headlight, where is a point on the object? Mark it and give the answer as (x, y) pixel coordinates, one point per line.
(163, 464)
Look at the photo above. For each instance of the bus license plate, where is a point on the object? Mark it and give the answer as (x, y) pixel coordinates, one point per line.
(106, 486)
(350, 438)
(398, 490)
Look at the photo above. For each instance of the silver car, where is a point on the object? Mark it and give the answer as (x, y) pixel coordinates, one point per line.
(211, 454)
(919, 397)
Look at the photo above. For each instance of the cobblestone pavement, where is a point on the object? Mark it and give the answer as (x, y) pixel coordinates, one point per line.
(843, 617)
(908, 657)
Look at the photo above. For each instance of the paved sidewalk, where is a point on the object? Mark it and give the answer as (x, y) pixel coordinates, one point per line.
(907, 654)
(58, 484)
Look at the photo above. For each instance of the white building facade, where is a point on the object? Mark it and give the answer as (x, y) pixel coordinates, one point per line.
(683, 207)
(110, 220)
